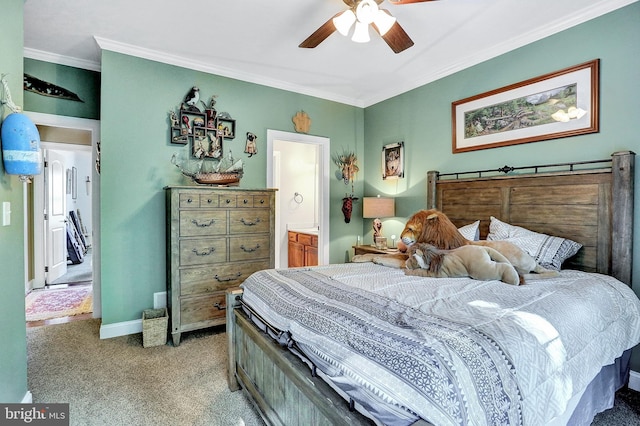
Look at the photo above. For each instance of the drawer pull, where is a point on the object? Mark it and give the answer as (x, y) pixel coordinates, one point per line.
(209, 201)
(250, 223)
(261, 201)
(204, 253)
(220, 307)
(203, 224)
(249, 250)
(227, 201)
(189, 200)
(245, 201)
(224, 280)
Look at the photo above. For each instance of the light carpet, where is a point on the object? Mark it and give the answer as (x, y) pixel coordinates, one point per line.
(119, 382)
(81, 272)
(56, 303)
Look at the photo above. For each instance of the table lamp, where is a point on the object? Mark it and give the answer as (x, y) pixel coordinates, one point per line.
(376, 208)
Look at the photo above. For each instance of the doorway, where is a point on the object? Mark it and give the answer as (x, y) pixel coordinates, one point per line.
(67, 225)
(72, 143)
(301, 160)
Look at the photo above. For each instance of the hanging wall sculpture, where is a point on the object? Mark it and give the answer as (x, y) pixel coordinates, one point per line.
(301, 122)
(251, 146)
(204, 132)
(44, 88)
(347, 162)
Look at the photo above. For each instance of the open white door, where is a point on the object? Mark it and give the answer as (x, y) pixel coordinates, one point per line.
(56, 217)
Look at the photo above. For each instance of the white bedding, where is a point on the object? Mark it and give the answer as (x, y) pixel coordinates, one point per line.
(556, 334)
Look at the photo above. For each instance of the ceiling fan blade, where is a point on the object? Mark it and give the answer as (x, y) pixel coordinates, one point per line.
(397, 39)
(407, 1)
(320, 34)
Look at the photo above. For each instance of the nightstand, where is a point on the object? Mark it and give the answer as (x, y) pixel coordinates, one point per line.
(372, 249)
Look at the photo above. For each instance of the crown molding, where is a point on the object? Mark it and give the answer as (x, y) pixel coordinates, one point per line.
(551, 28)
(61, 60)
(166, 58)
(539, 33)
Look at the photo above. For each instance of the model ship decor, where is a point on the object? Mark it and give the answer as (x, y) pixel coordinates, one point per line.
(204, 133)
(226, 172)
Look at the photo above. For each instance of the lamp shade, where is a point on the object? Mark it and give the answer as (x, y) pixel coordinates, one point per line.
(344, 21)
(377, 207)
(366, 11)
(361, 33)
(383, 21)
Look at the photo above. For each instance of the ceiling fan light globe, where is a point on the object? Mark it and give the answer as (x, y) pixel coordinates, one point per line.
(361, 33)
(384, 21)
(344, 21)
(366, 11)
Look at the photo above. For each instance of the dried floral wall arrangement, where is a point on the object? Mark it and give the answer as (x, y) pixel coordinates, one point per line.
(348, 164)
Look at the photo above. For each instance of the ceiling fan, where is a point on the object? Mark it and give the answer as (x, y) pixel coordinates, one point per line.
(363, 13)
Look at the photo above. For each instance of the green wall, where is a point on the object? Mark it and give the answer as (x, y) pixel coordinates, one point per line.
(422, 117)
(13, 355)
(84, 83)
(137, 95)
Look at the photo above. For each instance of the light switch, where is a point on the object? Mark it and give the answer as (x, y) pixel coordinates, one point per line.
(6, 213)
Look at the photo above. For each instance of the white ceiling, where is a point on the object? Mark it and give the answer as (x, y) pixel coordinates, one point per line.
(257, 40)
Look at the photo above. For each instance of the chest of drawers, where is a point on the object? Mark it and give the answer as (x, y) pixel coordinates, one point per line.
(216, 238)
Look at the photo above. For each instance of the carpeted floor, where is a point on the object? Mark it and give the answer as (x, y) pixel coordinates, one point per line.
(118, 382)
(43, 304)
(79, 273)
(626, 411)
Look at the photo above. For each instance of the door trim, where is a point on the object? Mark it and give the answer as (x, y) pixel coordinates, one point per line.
(324, 179)
(92, 126)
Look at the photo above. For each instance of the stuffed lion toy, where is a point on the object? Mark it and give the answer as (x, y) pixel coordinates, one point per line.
(434, 227)
(477, 262)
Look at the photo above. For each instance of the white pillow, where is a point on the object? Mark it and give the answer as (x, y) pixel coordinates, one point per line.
(471, 231)
(550, 252)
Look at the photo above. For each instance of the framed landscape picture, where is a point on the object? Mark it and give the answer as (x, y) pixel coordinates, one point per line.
(556, 105)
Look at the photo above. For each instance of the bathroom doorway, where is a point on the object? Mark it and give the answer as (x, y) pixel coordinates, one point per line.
(298, 166)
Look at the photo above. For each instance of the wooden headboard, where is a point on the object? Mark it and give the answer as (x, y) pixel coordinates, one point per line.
(588, 202)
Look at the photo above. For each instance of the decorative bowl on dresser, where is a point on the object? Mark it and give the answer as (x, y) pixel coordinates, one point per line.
(216, 238)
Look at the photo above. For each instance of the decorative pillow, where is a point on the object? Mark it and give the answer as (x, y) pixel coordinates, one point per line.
(471, 231)
(550, 252)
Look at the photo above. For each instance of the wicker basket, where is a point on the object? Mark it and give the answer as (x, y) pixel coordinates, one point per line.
(154, 327)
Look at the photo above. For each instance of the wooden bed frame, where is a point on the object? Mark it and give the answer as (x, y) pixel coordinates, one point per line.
(588, 202)
(592, 206)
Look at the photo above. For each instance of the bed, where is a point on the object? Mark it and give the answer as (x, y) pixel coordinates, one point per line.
(364, 344)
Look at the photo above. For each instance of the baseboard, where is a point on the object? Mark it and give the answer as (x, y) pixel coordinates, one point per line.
(28, 398)
(120, 329)
(634, 381)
